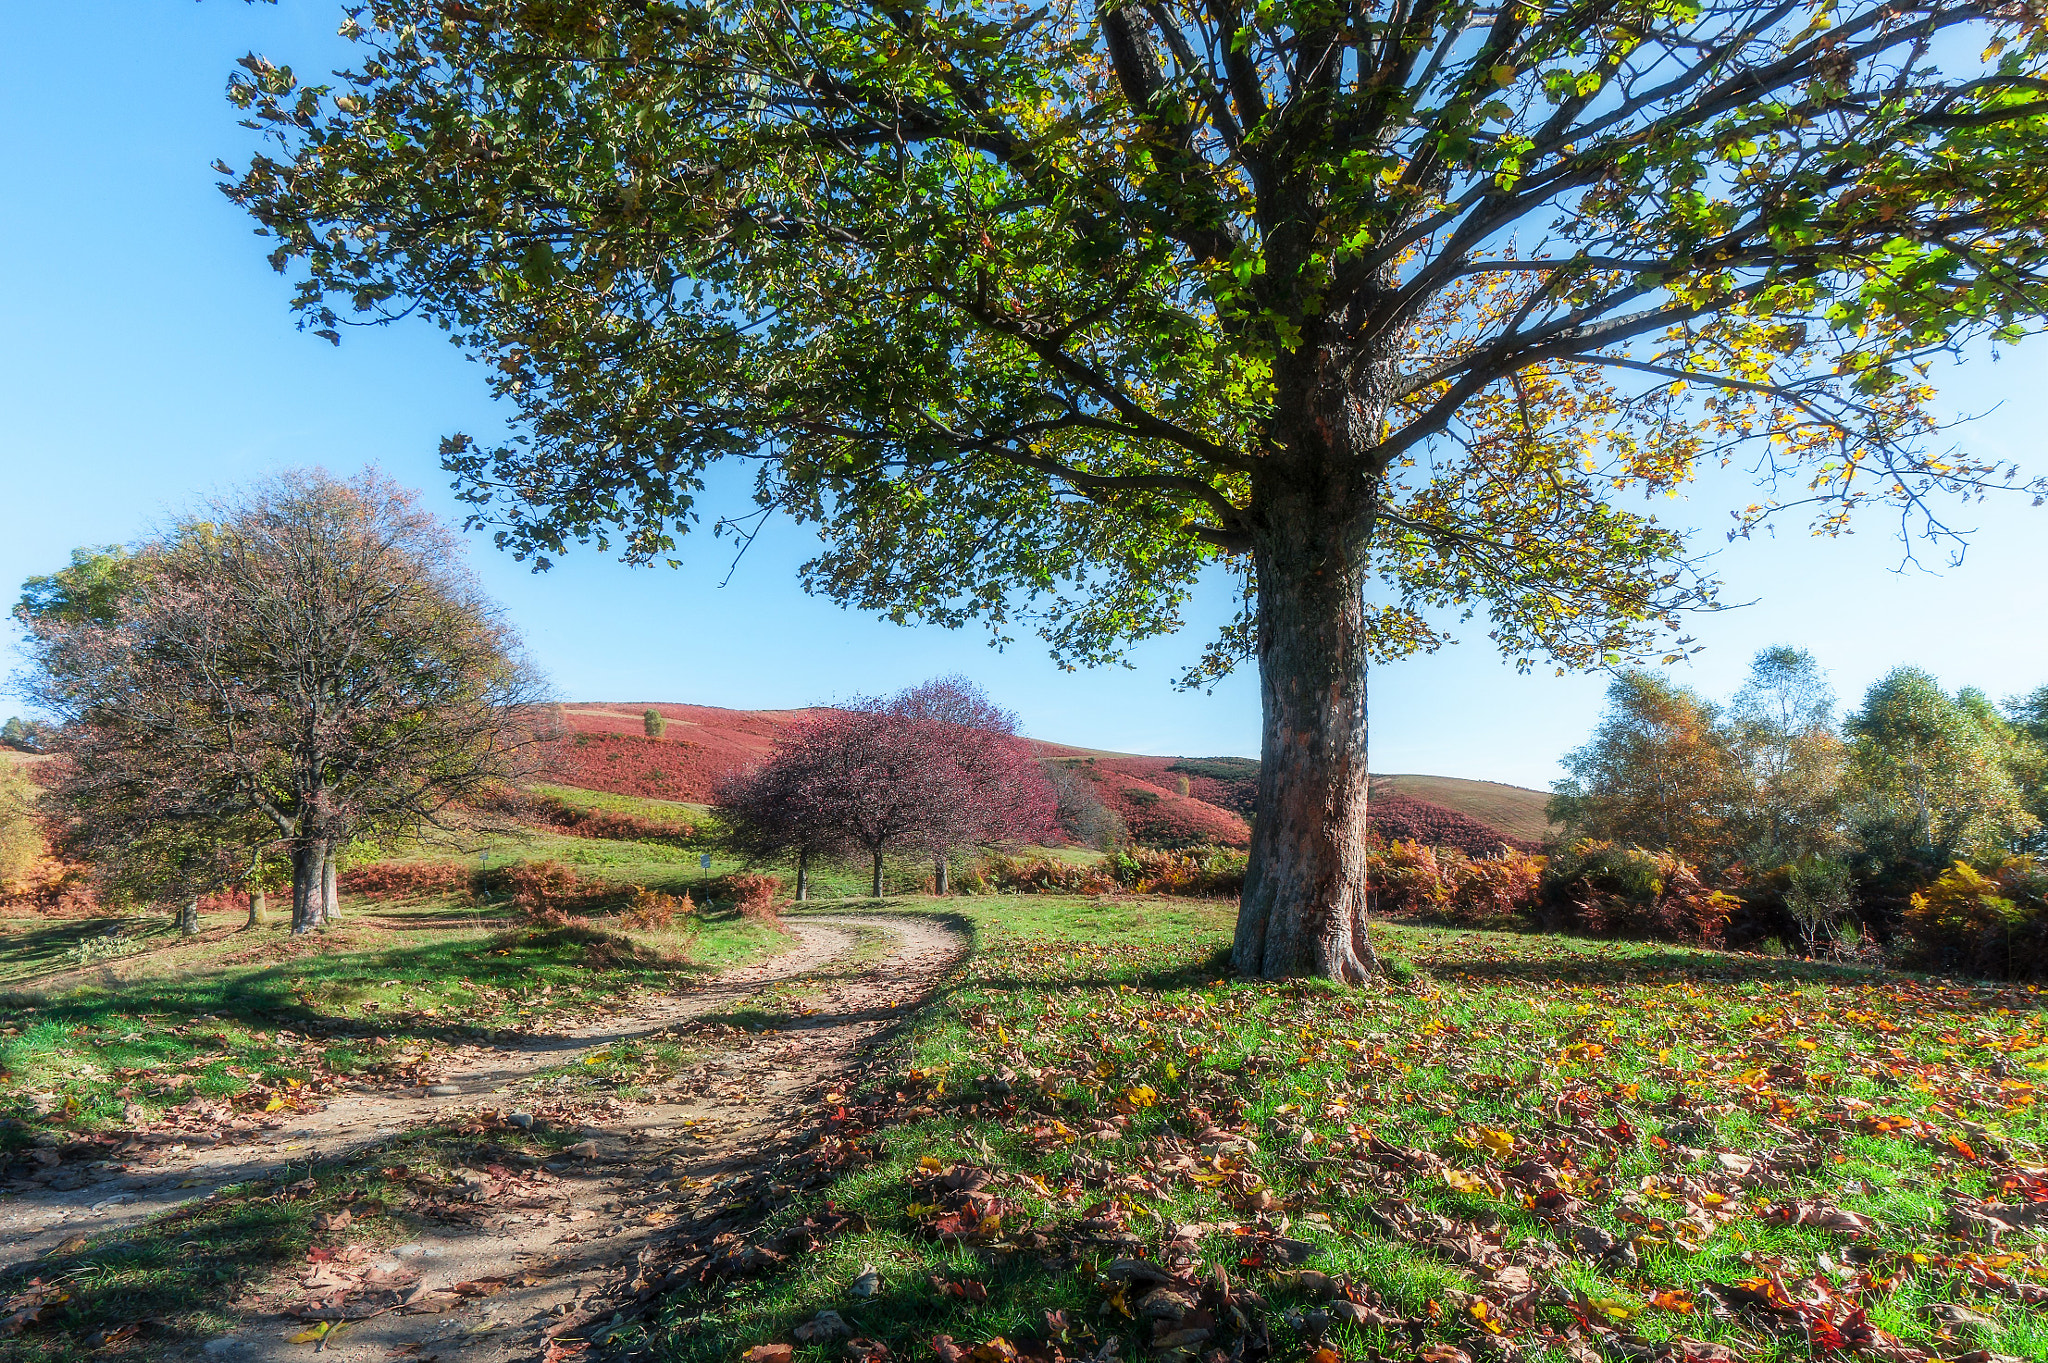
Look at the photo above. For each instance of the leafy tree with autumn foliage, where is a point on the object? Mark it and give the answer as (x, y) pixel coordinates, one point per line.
(1929, 779)
(926, 771)
(291, 666)
(1379, 312)
(1657, 773)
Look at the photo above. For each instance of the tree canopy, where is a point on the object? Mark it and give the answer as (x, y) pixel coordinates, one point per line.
(969, 275)
(1386, 313)
(292, 666)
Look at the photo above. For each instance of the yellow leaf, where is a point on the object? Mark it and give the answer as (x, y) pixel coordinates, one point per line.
(313, 1334)
(1141, 1096)
(276, 1102)
(1467, 1183)
(1500, 1142)
(930, 1165)
(1503, 75)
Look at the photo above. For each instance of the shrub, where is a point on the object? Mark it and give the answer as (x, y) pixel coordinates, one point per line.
(1191, 873)
(751, 892)
(653, 725)
(1416, 878)
(404, 879)
(552, 892)
(1987, 923)
(1608, 890)
(1044, 875)
(652, 909)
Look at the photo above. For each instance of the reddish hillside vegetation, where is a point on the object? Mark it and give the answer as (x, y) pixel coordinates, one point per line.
(1164, 801)
(606, 748)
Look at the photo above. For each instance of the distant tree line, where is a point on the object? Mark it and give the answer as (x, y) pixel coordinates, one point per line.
(1822, 824)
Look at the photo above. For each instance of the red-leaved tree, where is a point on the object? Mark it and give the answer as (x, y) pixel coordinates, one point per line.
(929, 770)
(997, 790)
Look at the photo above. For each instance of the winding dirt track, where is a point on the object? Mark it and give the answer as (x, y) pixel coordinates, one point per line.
(602, 1208)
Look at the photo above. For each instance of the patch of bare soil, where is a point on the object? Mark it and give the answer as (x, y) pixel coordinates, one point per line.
(518, 1257)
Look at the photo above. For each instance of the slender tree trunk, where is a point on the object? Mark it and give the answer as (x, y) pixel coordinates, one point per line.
(803, 876)
(1304, 906)
(258, 900)
(878, 874)
(330, 888)
(307, 858)
(188, 918)
(940, 870)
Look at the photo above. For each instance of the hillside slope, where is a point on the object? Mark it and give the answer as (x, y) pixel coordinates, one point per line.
(1164, 800)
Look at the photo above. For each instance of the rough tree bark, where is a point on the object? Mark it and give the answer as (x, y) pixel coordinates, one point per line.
(188, 918)
(877, 890)
(1304, 906)
(803, 876)
(307, 893)
(258, 900)
(330, 887)
(940, 870)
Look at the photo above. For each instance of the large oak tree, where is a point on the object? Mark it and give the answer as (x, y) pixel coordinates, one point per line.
(1041, 315)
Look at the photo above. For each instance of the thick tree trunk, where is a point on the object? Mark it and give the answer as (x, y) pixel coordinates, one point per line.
(940, 874)
(330, 887)
(878, 876)
(1304, 906)
(307, 860)
(188, 918)
(258, 900)
(803, 876)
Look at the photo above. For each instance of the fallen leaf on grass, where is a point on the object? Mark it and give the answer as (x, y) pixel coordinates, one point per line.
(769, 1353)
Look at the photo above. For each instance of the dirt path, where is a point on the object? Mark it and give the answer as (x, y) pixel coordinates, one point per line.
(652, 1161)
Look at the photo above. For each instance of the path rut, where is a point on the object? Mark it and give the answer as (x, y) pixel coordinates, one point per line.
(651, 1161)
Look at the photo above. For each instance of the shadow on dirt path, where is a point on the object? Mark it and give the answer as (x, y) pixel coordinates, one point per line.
(543, 1254)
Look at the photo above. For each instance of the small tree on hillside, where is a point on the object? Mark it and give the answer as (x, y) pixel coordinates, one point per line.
(1079, 811)
(308, 656)
(653, 724)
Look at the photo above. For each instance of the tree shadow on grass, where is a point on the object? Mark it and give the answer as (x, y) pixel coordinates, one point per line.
(1582, 963)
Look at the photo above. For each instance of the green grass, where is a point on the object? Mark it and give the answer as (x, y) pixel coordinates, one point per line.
(248, 1016)
(1497, 1050)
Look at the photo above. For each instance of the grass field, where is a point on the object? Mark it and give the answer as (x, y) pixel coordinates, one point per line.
(1571, 1148)
(242, 1017)
(1514, 810)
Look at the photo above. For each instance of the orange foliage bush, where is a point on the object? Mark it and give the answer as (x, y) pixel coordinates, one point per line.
(404, 879)
(653, 909)
(1416, 878)
(1991, 922)
(1043, 875)
(751, 892)
(1609, 890)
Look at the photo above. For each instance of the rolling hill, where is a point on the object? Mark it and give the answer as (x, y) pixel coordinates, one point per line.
(1161, 799)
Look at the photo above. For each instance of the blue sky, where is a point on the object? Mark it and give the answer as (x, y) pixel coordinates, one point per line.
(147, 357)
